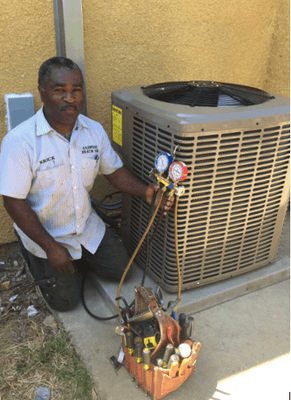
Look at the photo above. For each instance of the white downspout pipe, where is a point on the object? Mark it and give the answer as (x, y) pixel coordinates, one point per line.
(69, 34)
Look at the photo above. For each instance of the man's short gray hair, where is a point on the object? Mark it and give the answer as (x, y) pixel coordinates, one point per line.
(46, 68)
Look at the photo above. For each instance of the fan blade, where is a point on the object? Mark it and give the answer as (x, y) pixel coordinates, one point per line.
(244, 95)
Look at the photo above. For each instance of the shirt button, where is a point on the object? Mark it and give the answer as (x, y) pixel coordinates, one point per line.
(77, 208)
(75, 187)
(78, 226)
(73, 167)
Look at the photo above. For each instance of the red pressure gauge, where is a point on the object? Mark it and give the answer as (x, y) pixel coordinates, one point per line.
(178, 171)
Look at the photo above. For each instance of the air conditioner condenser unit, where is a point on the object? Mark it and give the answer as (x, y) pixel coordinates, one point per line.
(235, 141)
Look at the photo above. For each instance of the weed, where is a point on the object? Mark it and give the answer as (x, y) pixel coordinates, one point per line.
(57, 356)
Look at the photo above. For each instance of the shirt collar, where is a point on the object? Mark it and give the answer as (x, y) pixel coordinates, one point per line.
(81, 122)
(43, 127)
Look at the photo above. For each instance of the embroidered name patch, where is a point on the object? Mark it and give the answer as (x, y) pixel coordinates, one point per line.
(47, 159)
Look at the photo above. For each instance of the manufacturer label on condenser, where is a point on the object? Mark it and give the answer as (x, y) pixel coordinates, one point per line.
(117, 125)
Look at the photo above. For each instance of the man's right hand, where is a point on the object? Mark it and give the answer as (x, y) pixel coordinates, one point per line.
(60, 259)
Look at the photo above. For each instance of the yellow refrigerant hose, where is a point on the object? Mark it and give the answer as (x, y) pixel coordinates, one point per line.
(176, 248)
(136, 250)
(140, 243)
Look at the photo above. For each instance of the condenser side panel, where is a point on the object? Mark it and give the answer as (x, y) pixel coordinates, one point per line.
(231, 216)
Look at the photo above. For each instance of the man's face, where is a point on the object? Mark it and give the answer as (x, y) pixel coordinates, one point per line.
(63, 96)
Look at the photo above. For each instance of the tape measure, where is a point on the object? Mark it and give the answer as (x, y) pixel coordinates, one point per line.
(151, 338)
(178, 171)
(162, 161)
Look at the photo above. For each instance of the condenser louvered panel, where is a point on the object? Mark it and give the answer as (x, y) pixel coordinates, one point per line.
(227, 217)
(235, 142)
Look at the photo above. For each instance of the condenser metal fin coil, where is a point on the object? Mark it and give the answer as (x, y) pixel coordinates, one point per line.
(231, 216)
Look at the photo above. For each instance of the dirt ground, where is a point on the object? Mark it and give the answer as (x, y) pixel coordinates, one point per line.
(27, 327)
(15, 282)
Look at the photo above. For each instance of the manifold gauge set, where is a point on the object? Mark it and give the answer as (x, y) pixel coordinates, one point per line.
(177, 172)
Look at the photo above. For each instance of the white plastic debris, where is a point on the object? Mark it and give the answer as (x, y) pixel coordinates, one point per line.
(42, 393)
(15, 263)
(120, 355)
(50, 321)
(31, 311)
(2, 262)
(13, 298)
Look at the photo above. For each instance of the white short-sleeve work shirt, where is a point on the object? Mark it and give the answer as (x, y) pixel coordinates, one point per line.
(55, 176)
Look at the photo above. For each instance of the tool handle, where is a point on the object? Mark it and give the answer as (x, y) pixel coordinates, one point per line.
(192, 325)
(174, 369)
(129, 342)
(168, 352)
(138, 352)
(184, 365)
(146, 358)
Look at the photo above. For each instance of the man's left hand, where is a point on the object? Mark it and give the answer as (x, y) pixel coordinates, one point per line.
(166, 203)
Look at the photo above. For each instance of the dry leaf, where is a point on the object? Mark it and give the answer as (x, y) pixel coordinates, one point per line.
(94, 394)
(5, 285)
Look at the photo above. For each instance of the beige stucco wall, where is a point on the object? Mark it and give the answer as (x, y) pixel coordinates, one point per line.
(27, 38)
(152, 41)
(149, 41)
(277, 78)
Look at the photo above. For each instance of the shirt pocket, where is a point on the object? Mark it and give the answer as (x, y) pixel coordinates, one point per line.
(49, 178)
(89, 171)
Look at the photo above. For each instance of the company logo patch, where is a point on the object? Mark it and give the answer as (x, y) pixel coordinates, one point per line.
(90, 149)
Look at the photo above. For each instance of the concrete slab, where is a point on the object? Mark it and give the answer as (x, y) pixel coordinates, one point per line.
(244, 354)
(245, 337)
(200, 298)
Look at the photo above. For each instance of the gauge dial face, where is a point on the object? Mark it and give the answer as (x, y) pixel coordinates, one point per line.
(178, 171)
(162, 162)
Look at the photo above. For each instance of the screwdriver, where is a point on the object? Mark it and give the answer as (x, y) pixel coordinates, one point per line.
(185, 327)
(167, 354)
(129, 342)
(146, 358)
(160, 362)
(137, 339)
(191, 322)
(138, 352)
(174, 369)
(173, 358)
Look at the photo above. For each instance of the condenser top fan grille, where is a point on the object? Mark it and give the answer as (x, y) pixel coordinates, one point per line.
(206, 94)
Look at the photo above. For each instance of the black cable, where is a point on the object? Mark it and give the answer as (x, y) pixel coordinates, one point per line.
(112, 223)
(86, 308)
(127, 307)
(144, 273)
(108, 220)
(106, 197)
(107, 206)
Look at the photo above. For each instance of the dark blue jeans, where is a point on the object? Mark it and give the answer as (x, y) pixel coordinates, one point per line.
(62, 292)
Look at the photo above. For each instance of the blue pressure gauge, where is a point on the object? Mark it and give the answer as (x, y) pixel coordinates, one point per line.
(162, 161)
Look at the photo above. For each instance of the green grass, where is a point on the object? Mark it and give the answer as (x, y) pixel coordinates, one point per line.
(58, 357)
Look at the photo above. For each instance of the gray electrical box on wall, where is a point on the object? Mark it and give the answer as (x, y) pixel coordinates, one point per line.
(19, 108)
